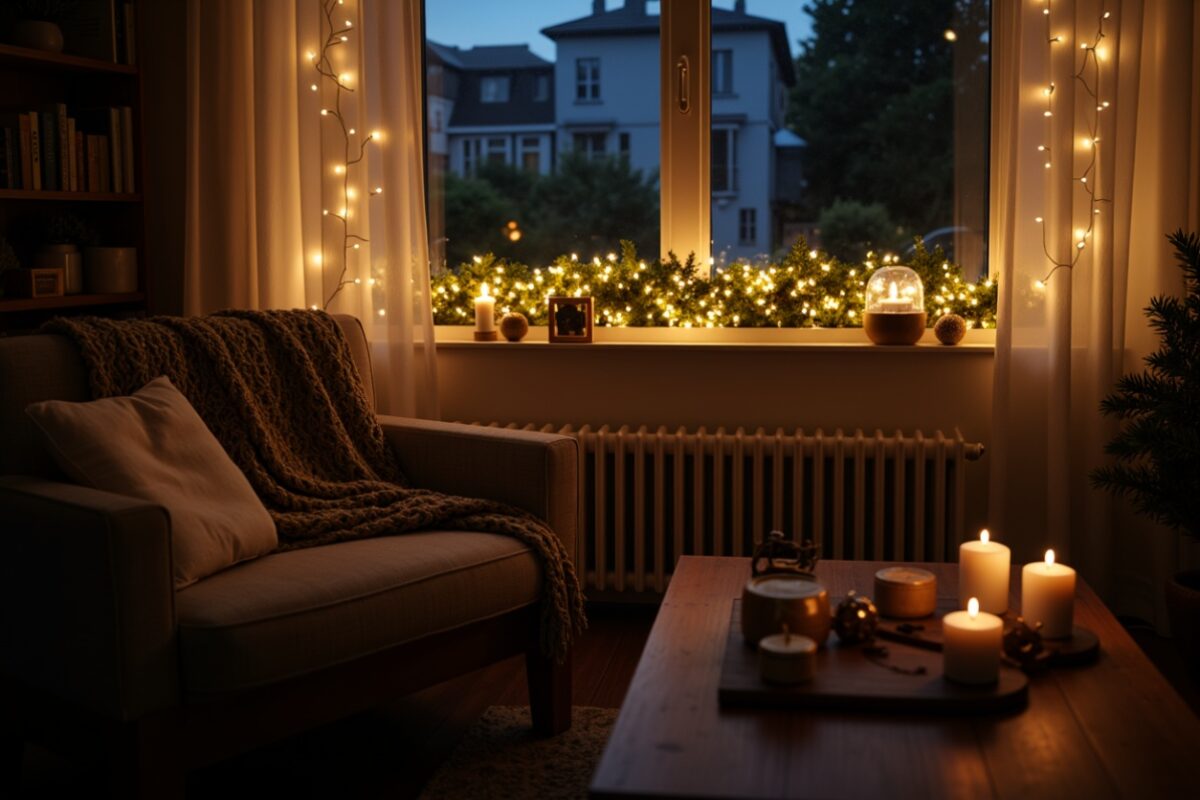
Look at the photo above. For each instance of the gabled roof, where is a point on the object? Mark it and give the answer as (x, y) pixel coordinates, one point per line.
(490, 57)
(631, 19)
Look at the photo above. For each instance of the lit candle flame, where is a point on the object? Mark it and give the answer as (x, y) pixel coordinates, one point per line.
(892, 292)
(483, 292)
(973, 607)
(984, 536)
(1049, 558)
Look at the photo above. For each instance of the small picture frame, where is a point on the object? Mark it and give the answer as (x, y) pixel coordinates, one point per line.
(570, 319)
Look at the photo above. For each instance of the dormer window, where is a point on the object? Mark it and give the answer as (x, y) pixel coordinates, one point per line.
(493, 89)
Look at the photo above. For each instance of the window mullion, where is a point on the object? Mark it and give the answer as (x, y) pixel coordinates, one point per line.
(685, 122)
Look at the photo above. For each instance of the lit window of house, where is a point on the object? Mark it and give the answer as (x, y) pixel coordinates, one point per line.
(722, 71)
(531, 153)
(493, 89)
(587, 80)
(748, 226)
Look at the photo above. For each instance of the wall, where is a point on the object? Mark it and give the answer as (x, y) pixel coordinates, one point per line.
(750, 379)
(162, 49)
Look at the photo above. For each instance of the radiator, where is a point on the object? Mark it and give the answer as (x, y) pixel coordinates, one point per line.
(647, 497)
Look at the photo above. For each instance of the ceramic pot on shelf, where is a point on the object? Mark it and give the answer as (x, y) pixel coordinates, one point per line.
(38, 34)
(110, 270)
(67, 258)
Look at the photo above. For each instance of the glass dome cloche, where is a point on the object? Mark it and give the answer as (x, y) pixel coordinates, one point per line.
(895, 307)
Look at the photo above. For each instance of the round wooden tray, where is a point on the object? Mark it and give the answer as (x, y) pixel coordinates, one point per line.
(1082, 647)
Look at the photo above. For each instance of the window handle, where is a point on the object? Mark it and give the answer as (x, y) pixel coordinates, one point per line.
(681, 70)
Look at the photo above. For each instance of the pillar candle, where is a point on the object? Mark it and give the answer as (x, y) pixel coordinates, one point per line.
(983, 573)
(1048, 597)
(485, 312)
(971, 649)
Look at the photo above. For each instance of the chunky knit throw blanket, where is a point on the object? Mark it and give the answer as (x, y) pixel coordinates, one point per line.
(280, 392)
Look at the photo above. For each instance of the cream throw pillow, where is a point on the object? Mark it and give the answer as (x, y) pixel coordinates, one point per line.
(153, 445)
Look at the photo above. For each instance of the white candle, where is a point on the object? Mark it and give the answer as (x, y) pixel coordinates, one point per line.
(971, 649)
(983, 573)
(1048, 597)
(894, 302)
(485, 312)
(784, 658)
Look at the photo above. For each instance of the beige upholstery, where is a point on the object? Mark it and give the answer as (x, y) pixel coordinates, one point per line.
(154, 446)
(87, 605)
(295, 612)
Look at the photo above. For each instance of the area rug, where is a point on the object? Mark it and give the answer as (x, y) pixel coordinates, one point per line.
(500, 757)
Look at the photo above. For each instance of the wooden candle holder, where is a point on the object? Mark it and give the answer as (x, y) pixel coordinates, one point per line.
(905, 327)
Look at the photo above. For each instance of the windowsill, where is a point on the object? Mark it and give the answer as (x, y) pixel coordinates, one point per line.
(839, 340)
(588, 102)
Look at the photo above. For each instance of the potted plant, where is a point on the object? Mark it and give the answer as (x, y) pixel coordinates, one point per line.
(36, 24)
(1157, 452)
(60, 240)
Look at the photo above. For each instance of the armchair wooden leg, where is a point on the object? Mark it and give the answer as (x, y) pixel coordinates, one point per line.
(142, 764)
(549, 692)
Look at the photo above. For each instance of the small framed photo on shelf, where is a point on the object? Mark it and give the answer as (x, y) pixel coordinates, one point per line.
(570, 319)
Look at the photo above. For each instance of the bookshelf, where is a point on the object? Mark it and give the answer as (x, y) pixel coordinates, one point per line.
(45, 82)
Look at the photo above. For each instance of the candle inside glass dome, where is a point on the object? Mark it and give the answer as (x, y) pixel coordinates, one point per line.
(894, 302)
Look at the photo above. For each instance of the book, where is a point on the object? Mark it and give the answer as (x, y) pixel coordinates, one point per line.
(48, 133)
(95, 145)
(127, 147)
(35, 151)
(116, 180)
(130, 40)
(26, 151)
(7, 176)
(81, 160)
(72, 157)
(64, 146)
(104, 162)
(90, 29)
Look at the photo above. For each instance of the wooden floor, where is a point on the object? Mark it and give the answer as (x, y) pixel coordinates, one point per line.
(392, 751)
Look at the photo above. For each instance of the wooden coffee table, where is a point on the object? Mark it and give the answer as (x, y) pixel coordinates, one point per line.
(1115, 728)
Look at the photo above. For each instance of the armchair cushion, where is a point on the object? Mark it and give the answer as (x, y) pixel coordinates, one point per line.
(153, 446)
(298, 611)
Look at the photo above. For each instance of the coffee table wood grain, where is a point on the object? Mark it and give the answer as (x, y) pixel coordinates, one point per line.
(1112, 729)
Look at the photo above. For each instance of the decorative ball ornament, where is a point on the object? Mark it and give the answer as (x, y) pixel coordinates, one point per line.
(856, 619)
(514, 326)
(950, 329)
(1023, 643)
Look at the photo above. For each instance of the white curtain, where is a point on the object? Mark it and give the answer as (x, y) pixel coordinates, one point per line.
(1065, 335)
(261, 175)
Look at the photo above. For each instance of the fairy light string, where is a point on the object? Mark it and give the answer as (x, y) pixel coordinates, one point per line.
(1088, 78)
(353, 145)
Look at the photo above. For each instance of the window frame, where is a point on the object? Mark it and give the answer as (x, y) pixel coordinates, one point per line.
(489, 98)
(730, 184)
(722, 64)
(587, 78)
(748, 219)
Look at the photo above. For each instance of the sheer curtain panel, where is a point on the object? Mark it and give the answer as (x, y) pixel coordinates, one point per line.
(1096, 157)
(281, 211)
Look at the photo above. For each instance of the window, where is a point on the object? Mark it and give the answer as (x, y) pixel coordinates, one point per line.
(587, 80)
(531, 153)
(541, 89)
(722, 72)
(748, 226)
(493, 89)
(623, 146)
(590, 145)
(470, 156)
(723, 177)
(497, 150)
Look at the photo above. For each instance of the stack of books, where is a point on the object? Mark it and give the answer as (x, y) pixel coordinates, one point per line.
(52, 150)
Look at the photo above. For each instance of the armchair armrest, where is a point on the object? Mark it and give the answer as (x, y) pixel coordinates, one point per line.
(87, 604)
(530, 470)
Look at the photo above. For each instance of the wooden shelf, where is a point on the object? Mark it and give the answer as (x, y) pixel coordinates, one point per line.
(14, 304)
(26, 58)
(73, 197)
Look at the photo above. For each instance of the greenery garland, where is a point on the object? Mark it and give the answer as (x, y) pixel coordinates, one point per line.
(806, 289)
